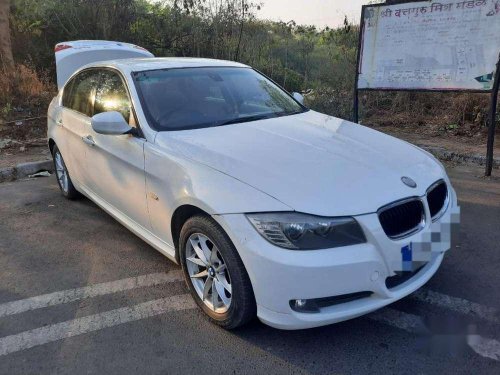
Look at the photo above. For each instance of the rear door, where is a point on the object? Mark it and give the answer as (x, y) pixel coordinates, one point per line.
(77, 107)
(115, 163)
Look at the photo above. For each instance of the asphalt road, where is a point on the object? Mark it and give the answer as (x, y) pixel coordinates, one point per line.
(108, 324)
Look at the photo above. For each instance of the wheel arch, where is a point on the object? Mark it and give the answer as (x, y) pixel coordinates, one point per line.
(52, 143)
(179, 217)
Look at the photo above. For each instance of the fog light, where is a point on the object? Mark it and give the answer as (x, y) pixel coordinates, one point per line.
(304, 305)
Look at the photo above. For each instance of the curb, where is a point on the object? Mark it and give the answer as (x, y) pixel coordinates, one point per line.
(23, 170)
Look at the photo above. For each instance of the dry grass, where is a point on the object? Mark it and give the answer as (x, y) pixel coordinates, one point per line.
(462, 115)
(23, 89)
(24, 93)
(454, 115)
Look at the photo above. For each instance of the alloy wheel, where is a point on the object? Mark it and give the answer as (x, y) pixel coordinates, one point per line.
(61, 172)
(208, 273)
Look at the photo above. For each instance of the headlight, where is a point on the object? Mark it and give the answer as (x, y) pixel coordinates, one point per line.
(297, 231)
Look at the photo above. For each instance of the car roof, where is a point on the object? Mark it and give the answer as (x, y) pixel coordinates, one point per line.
(143, 64)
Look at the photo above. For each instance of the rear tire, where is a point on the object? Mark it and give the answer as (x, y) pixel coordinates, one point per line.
(62, 175)
(215, 274)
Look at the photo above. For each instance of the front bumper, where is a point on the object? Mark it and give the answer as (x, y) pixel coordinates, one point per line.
(279, 275)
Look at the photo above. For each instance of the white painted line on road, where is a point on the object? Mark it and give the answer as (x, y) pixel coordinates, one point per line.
(399, 319)
(75, 327)
(459, 305)
(489, 348)
(485, 347)
(72, 295)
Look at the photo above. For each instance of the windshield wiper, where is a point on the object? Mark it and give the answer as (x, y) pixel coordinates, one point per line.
(286, 113)
(258, 117)
(246, 119)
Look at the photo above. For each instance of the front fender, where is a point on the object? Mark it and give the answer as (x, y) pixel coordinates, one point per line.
(173, 180)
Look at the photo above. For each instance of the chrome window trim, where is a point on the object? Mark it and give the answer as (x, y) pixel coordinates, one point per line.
(446, 203)
(417, 228)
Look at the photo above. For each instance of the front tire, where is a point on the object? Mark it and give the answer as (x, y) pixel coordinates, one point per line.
(215, 274)
(63, 179)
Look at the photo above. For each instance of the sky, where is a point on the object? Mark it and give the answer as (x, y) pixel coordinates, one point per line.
(312, 12)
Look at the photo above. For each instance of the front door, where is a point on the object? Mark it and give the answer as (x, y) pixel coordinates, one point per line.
(115, 163)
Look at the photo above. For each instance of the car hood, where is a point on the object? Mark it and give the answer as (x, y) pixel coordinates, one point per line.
(312, 162)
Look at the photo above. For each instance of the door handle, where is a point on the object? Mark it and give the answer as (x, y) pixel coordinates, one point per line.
(88, 140)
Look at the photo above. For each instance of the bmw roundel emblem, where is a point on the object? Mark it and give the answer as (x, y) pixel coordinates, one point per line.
(409, 182)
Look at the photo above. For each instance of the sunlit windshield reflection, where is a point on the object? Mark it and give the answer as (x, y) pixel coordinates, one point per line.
(189, 98)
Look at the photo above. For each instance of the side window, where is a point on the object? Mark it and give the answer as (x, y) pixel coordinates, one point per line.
(66, 98)
(112, 95)
(83, 90)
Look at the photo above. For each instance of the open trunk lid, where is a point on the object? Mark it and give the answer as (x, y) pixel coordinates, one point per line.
(70, 56)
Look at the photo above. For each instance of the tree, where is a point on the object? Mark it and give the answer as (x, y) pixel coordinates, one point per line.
(286, 32)
(6, 57)
(307, 42)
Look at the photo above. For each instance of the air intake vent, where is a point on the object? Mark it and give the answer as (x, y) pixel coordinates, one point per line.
(400, 219)
(437, 199)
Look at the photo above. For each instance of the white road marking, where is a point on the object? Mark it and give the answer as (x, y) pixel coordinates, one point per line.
(485, 347)
(75, 327)
(459, 305)
(398, 319)
(71, 295)
(489, 348)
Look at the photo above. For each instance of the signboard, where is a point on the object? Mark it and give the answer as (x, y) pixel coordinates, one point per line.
(429, 45)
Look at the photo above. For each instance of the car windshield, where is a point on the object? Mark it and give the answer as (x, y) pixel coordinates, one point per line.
(191, 98)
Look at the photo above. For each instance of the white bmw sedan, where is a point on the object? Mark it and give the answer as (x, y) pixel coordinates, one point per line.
(272, 210)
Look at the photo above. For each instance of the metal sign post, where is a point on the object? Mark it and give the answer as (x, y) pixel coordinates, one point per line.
(355, 106)
(493, 120)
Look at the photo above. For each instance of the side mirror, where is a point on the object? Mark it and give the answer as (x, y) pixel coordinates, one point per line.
(298, 97)
(110, 123)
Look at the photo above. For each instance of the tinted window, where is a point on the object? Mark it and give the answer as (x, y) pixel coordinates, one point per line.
(83, 90)
(176, 99)
(112, 95)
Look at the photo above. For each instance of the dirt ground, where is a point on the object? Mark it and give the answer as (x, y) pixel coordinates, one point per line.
(23, 143)
(462, 145)
(12, 156)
